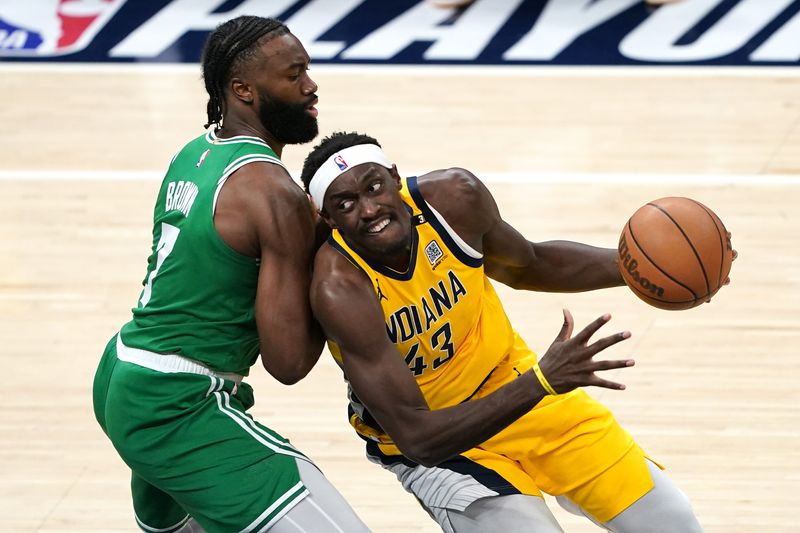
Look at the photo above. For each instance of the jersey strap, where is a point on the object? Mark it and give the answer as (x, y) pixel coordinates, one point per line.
(460, 249)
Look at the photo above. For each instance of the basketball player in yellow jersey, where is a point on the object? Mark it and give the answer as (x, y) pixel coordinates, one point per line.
(446, 394)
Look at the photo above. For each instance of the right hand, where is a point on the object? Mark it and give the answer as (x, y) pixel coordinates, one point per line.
(568, 363)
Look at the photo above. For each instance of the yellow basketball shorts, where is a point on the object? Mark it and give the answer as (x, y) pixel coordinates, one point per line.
(568, 445)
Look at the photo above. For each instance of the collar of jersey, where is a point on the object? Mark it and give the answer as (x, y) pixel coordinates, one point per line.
(212, 138)
(390, 272)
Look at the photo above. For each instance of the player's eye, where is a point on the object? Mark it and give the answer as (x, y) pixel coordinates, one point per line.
(375, 186)
(345, 205)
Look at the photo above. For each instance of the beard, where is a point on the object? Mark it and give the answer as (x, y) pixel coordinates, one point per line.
(394, 253)
(288, 123)
(398, 248)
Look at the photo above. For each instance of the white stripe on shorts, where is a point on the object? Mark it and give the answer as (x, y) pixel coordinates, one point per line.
(246, 423)
(291, 498)
(174, 527)
(249, 421)
(216, 384)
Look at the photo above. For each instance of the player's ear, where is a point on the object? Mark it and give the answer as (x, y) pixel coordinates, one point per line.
(242, 90)
(328, 220)
(396, 176)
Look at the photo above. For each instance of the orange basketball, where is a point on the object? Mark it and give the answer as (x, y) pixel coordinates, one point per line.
(674, 253)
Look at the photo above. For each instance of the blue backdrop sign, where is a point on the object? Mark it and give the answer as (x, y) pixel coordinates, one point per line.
(559, 32)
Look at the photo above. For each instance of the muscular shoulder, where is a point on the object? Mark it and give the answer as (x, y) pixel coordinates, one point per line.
(335, 281)
(335, 275)
(457, 183)
(266, 182)
(261, 205)
(461, 198)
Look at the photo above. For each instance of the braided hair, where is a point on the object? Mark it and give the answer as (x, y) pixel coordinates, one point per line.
(228, 47)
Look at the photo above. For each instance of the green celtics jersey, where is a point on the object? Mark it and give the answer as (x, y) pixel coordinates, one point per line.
(199, 294)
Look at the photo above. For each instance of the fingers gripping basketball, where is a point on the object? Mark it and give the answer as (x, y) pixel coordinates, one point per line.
(674, 253)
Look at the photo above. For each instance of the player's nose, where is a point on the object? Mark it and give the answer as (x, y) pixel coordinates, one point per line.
(369, 209)
(310, 86)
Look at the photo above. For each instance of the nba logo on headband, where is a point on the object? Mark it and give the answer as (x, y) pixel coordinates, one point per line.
(335, 166)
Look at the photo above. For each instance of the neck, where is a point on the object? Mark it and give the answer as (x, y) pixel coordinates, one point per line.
(235, 125)
(399, 262)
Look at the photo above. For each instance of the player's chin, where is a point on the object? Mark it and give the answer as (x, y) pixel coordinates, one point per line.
(388, 241)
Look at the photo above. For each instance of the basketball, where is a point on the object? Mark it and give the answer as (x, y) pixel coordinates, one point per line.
(674, 253)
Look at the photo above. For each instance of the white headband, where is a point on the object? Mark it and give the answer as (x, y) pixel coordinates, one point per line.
(341, 162)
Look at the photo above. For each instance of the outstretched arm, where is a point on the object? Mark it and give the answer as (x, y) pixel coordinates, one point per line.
(553, 266)
(344, 300)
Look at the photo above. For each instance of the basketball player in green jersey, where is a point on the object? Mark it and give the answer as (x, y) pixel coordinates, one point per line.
(227, 279)
(447, 395)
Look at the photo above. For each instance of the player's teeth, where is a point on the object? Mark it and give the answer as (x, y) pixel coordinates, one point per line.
(376, 228)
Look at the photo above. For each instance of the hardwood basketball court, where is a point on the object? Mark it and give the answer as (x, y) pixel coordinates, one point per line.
(569, 154)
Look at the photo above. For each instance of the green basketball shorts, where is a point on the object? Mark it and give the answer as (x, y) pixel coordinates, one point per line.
(184, 432)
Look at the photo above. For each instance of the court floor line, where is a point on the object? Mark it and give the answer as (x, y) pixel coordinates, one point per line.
(437, 70)
(714, 180)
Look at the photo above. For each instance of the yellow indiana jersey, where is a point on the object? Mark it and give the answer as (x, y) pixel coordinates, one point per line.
(442, 313)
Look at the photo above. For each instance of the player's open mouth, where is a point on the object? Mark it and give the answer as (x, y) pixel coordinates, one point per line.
(312, 110)
(378, 226)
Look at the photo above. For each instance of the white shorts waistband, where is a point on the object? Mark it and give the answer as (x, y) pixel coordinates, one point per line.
(169, 363)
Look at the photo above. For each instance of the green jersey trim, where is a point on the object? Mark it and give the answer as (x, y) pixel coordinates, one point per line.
(212, 138)
(230, 169)
(236, 165)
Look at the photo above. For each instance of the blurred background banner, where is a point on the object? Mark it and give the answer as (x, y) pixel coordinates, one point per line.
(489, 32)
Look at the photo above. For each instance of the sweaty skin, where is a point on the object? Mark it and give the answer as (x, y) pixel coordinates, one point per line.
(359, 203)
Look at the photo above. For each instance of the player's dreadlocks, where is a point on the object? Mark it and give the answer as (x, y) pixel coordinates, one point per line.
(331, 144)
(228, 46)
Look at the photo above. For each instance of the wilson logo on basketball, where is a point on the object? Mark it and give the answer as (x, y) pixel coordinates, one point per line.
(629, 264)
